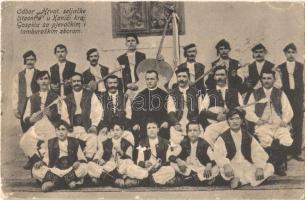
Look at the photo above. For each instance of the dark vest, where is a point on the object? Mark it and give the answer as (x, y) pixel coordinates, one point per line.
(85, 105)
(231, 98)
(22, 98)
(246, 142)
(161, 149)
(35, 101)
(192, 103)
(108, 145)
(276, 95)
(253, 73)
(126, 72)
(53, 148)
(297, 74)
(201, 151)
(108, 106)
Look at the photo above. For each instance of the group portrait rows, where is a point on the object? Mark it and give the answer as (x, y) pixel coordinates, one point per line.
(232, 124)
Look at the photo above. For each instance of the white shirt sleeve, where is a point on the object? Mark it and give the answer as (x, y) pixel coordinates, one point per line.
(63, 111)
(250, 111)
(286, 109)
(128, 109)
(278, 79)
(210, 153)
(140, 156)
(96, 111)
(80, 154)
(15, 92)
(27, 112)
(258, 154)
(243, 72)
(171, 104)
(220, 153)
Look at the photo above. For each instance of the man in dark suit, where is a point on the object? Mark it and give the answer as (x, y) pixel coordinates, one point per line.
(252, 73)
(129, 62)
(196, 69)
(293, 85)
(62, 71)
(24, 85)
(223, 49)
(95, 72)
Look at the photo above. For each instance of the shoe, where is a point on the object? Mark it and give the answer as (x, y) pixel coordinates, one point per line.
(119, 182)
(72, 185)
(131, 182)
(95, 181)
(47, 186)
(28, 165)
(299, 158)
(235, 183)
(280, 171)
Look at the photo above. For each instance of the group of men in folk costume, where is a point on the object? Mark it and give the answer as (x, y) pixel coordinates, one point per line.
(236, 124)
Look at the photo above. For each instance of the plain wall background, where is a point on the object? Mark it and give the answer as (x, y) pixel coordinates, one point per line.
(242, 24)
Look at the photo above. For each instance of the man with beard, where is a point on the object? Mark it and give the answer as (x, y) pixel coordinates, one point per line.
(62, 71)
(115, 105)
(272, 120)
(293, 86)
(129, 62)
(95, 72)
(40, 117)
(196, 69)
(150, 103)
(234, 81)
(182, 106)
(252, 73)
(216, 103)
(239, 156)
(84, 112)
(24, 85)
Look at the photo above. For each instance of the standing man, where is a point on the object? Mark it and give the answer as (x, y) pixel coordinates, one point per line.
(24, 85)
(62, 71)
(150, 103)
(293, 86)
(95, 72)
(84, 112)
(272, 120)
(252, 73)
(129, 62)
(196, 69)
(239, 156)
(182, 106)
(223, 49)
(216, 103)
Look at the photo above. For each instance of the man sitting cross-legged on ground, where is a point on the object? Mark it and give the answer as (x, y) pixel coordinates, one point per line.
(154, 155)
(196, 160)
(113, 163)
(63, 163)
(239, 156)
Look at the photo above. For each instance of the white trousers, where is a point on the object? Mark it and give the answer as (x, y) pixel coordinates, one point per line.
(41, 130)
(267, 133)
(125, 167)
(198, 169)
(245, 171)
(40, 173)
(89, 138)
(213, 131)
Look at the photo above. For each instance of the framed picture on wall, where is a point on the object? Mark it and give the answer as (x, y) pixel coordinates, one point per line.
(144, 18)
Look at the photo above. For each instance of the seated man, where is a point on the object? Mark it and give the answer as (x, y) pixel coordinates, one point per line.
(113, 163)
(84, 111)
(272, 120)
(154, 154)
(216, 103)
(239, 156)
(41, 115)
(63, 163)
(196, 159)
(182, 105)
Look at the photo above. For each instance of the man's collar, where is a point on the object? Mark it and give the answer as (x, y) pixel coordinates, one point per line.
(154, 141)
(291, 63)
(152, 89)
(222, 88)
(113, 94)
(262, 62)
(78, 92)
(267, 90)
(95, 67)
(183, 89)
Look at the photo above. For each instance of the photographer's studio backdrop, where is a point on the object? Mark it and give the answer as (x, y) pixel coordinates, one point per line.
(95, 25)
